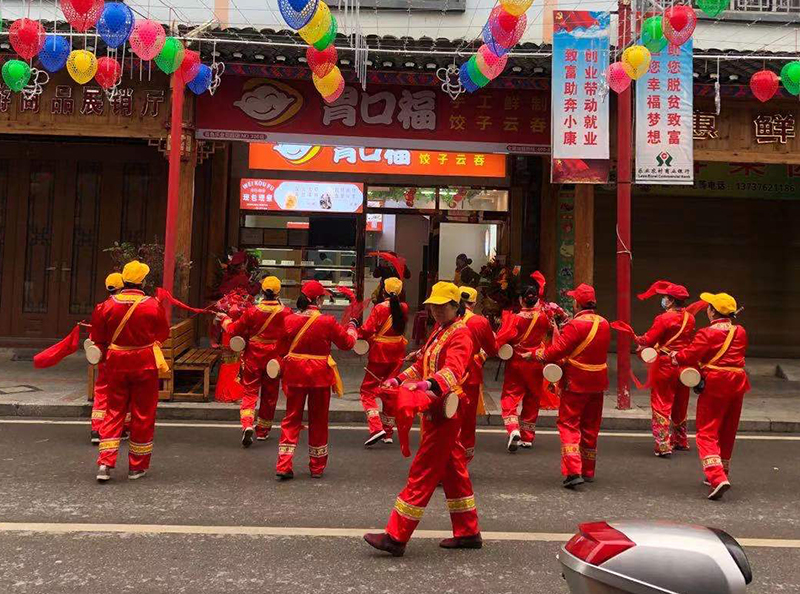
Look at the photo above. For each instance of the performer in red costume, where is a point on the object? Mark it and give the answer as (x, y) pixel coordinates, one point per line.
(485, 346)
(719, 351)
(582, 350)
(526, 331)
(262, 327)
(669, 398)
(439, 370)
(129, 328)
(309, 371)
(385, 331)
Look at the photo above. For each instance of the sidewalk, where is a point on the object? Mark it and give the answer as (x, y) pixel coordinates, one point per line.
(773, 405)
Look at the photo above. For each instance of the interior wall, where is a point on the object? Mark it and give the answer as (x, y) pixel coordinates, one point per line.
(412, 233)
(463, 238)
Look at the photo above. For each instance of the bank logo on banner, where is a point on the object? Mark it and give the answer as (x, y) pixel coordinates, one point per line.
(580, 128)
(664, 97)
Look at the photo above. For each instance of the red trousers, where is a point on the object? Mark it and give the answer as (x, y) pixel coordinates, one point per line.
(440, 458)
(318, 403)
(100, 400)
(717, 423)
(579, 417)
(136, 391)
(669, 401)
(254, 381)
(370, 388)
(522, 383)
(468, 413)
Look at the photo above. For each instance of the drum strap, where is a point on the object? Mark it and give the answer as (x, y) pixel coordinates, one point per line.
(161, 362)
(582, 347)
(311, 319)
(268, 320)
(723, 349)
(125, 318)
(685, 321)
(338, 386)
(531, 326)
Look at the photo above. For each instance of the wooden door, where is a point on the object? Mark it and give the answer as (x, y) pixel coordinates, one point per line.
(7, 245)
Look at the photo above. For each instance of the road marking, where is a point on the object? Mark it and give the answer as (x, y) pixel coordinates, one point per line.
(333, 427)
(293, 531)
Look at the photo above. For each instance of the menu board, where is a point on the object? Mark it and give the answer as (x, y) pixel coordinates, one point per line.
(301, 196)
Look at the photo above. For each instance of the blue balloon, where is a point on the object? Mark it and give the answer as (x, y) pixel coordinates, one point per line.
(497, 49)
(55, 52)
(202, 80)
(115, 24)
(466, 81)
(298, 5)
(297, 13)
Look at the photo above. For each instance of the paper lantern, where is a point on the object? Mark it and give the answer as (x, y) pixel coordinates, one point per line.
(115, 24)
(678, 24)
(82, 14)
(618, 77)
(298, 13)
(466, 81)
(764, 85)
(637, 58)
(55, 52)
(318, 26)
(147, 39)
(328, 39)
(321, 62)
(190, 65)
(16, 74)
(336, 94)
(202, 80)
(490, 64)
(108, 72)
(26, 37)
(653, 35)
(506, 29)
(326, 85)
(82, 66)
(516, 7)
(790, 77)
(170, 57)
(475, 74)
(713, 7)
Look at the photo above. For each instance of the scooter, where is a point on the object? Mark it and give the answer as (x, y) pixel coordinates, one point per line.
(650, 557)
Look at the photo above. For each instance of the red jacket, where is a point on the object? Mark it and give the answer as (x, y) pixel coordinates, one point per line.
(513, 332)
(146, 325)
(261, 346)
(484, 346)
(587, 371)
(300, 371)
(726, 375)
(386, 346)
(444, 358)
(669, 328)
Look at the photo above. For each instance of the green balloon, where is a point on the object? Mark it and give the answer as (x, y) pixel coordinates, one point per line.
(653, 35)
(713, 7)
(329, 37)
(475, 73)
(171, 55)
(16, 74)
(790, 77)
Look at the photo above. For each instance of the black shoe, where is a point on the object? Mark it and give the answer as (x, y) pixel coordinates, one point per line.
(463, 542)
(247, 437)
(284, 476)
(663, 454)
(587, 479)
(126, 435)
(95, 437)
(573, 481)
(374, 438)
(316, 475)
(384, 542)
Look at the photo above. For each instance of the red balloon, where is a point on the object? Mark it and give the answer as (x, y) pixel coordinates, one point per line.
(764, 85)
(108, 72)
(190, 65)
(321, 62)
(507, 21)
(81, 6)
(82, 14)
(679, 23)
(27, 37)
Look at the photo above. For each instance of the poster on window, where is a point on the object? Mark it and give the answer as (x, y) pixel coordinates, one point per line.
(300, 196)
(580, 128)
(664, 97)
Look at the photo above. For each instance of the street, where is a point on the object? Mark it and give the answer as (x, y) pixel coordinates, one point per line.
(211, 518)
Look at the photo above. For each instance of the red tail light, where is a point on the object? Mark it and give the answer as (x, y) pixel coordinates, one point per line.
(598, 542)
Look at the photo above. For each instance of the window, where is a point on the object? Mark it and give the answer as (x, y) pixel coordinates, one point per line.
(778, 6)
(401, 197)
(473, 199)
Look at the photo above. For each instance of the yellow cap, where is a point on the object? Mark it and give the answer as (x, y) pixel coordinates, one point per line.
(722, 302)
(271, 283)
(442, 293)
(469, 294)
(393, 285)
(114, 281)
(134, 272)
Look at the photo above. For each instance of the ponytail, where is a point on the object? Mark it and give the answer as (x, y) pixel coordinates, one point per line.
(530, 294)
(462, 309)
(303, 302)
(269, 295)
(398, 317)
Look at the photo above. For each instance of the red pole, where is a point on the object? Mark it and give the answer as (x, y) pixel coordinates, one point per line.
(624, 123)
(173, 184)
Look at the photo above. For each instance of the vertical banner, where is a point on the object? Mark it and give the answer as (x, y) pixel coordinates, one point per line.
(580, 128)
(565, 240)
(664, 98)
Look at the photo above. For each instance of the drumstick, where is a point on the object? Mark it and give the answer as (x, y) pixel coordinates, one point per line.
(373, 375)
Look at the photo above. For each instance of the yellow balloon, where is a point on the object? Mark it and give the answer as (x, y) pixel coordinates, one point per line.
(516, 7)
(82, 66)
(327, 84)
(636, 59)
(318, 26)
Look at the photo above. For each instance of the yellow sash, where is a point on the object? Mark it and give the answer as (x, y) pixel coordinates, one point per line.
(338, 386)
(664, 348)
(161, 363)
(380, 336)
(531, 326)
(264, 327)
(721, 352)
(582, 347)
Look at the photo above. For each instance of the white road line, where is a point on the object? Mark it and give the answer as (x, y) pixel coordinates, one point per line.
(333, 427)
(307, 532)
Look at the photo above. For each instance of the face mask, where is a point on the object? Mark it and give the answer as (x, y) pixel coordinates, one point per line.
(665, 302)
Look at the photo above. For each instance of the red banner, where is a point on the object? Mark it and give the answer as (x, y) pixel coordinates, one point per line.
(383, 116)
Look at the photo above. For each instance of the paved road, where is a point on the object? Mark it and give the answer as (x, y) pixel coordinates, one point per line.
(230, 513)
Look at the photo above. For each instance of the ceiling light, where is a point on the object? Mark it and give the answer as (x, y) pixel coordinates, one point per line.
(259, 56)
(733, 77)
(302, 59)
(538, 70)
(411, 65)
(344, 62)
(431, 66)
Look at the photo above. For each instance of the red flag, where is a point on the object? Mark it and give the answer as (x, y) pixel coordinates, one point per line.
(53, 355)
(623, 327)
(347, 292)
(398, 262)
(163, 295)
(354, 310)
(696, 307)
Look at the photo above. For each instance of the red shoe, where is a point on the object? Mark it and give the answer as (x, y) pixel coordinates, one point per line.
(463, 542)
(384, 542)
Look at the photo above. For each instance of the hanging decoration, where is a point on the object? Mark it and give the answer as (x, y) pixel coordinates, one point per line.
(147, 39)
(653, 35)
(26, 37)
(201, 81)
(713, 8)
(328, 85)
(318, 26)
(16, 74)
(790, 77)
(636, 59)
(764, 85)
(475, 74)
(82, 66)
(55, 52)
(217, 70)
(451, 83)
(516, 7)
(618, 77)
(298, 13)
(115, 24)
(506, 28)
(108, 72)
(322, 62)
(490, 64)
(679, 23)
(82, 14)
(329, 37)
(171, 55)
(466, 81)
(190, 65)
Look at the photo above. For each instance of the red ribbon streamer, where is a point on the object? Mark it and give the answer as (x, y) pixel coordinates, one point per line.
(620, 326)
(54, 354)
(163, 295)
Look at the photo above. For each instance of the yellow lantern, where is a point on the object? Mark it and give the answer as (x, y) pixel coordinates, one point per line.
(318, 26)
(516, 7)
(328, 84)
(636, 59)
(82, 66)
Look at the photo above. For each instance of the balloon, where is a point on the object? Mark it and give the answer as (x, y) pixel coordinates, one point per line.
(82, 66)
(147, 39)
(55, 52)
(516, 7)
(16, 74)
(679, 23)
(475, 74)
(318, 26)
(466, 81)
(171, 55)
(490, 64)
(653, 35)
(618, 77)
(496, 48)
(190, 65)
(713, 7)
(82, 14)
(791, 70)
(115, 24)
(327, 39)
(637, 57)
(202, 80)
(327, 85)
(321, 62)
(108, 72)
(298, 13)
(506, 29)
(26, 37)
(336, 94)
(764, 85)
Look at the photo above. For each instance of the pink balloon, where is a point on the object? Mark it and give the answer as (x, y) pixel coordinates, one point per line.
(618, 78)
(147, 39)
(494, 64)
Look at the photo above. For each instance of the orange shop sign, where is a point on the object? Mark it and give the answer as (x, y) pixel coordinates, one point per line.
(348, 159)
